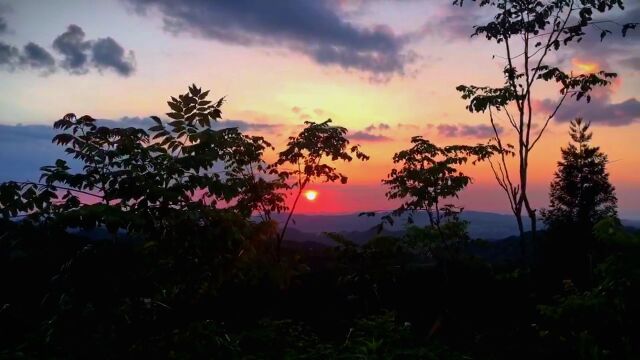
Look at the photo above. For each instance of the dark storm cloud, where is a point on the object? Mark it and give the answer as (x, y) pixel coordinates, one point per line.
(312, 27)
(365, 136)
(600, 111)
(79, 55)
(471, 131)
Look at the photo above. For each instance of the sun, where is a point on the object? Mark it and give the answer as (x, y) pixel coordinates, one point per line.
(311, 195)
(585, 67)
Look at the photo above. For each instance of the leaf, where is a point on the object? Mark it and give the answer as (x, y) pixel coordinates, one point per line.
(175, 106)
(176, 116)
(203, 95)
(156, 119)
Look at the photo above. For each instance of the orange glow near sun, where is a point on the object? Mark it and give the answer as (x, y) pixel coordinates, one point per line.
(585, 67)
(311, 195)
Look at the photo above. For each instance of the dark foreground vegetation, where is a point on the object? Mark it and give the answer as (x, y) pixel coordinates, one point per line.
(150, 251)
(146, 244)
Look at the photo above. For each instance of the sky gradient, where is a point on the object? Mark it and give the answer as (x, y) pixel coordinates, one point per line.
(386, 70)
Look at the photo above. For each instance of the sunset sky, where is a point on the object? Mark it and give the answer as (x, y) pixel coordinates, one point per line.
(386, 70)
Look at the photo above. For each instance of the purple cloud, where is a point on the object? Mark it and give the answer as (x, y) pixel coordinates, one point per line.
(599, 111)
(365, 136)
(471, 131)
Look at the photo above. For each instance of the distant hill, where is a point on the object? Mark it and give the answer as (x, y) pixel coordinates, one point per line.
(497, 228)
(482, 225)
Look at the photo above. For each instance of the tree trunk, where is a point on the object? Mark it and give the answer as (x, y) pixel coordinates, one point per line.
(523, 252)
(534, 224)
(286, 224)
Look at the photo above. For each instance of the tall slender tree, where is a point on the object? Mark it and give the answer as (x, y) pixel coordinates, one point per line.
(533, 34)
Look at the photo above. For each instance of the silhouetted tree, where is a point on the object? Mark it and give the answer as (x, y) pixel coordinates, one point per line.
(531, 32)
(183, 164)
(581, 194)
(175, 201)
(428, 175)
(184, 188)
(311, 153)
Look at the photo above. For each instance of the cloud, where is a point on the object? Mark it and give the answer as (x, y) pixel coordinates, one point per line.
(296, 109)
(145, 122)
(599, 111)
(79, 55)
(412, 127)
(108, 54)
(456, 22)
(632, 62)
(24, 149)
(248, 126)
(613, 22)
(380, 126)
(73, 47)
(37, 57)
(3, 26)
(9, 55)
(32, 56)
(365, 136)
(314, 28)
(614, 45)
(471, 131)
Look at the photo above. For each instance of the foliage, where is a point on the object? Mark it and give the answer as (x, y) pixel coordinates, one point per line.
(175, 203)
(311, 154)
(138, 176)
(598, 323)
(149, 251)
(429, 174)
